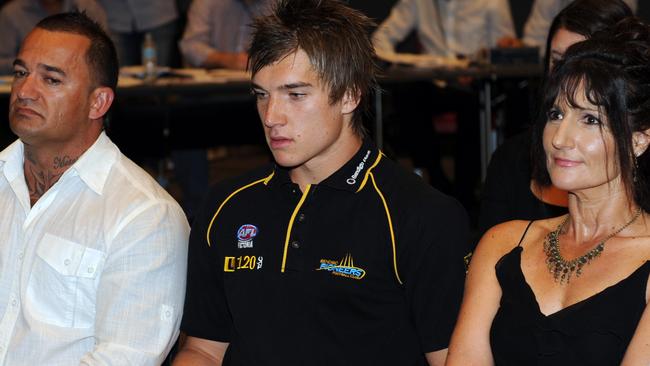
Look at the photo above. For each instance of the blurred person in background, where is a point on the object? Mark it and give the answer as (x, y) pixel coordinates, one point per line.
(218, 32)
(449, 33)
(18, 18)
(541, 15)
(130, 20)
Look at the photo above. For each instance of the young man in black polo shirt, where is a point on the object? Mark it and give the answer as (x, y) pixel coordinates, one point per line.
(333, 255)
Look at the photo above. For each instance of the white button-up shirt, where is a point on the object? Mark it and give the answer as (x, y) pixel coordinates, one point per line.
(219, 26)
(446, 28)
(94, 272)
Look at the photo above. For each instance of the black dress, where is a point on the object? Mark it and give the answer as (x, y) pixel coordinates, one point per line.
(594, 331)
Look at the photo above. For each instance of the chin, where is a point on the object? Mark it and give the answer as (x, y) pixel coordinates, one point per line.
(285, 160)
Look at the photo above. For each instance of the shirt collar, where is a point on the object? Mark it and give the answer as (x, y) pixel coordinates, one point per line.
(352, 176)
(92, 167)
(11, 160)
(96, 163)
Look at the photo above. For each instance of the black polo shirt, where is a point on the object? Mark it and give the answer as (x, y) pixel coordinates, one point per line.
(364, 268)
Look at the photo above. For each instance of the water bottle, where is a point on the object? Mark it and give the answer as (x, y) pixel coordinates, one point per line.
(149, 58)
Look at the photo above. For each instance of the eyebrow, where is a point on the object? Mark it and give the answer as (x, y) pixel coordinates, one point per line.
(48, 68)
(19, 62)
(289, 86)
(54, 69)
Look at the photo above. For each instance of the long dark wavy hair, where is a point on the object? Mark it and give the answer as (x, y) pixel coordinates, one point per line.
(613, 70)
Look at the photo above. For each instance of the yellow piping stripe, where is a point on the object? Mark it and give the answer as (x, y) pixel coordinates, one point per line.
(390, 227)
(365, 178)
(293, 217)
(264, 180)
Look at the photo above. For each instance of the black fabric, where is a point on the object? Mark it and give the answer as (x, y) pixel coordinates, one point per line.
(595, 331)
(309, 314)
(506, 193)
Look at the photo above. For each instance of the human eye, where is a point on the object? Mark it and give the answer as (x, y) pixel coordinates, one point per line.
(590, 119)
(19, 73)
(297, 95)
(554, 115)
(259, 94)
(52, 81)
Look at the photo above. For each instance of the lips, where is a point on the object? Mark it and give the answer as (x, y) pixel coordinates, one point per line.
(566, 163)
(27, 112)
(279, 142)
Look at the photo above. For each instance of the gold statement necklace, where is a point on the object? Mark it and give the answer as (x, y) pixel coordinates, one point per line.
(563, 269)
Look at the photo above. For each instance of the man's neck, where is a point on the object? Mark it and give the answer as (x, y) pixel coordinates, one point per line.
(43, 170)
(321, 167)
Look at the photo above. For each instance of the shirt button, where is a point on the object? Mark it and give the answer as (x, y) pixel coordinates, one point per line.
(91, 270)
(14, 302)
(66, 262)
(301, 217)
(295, 244)
(20, 256)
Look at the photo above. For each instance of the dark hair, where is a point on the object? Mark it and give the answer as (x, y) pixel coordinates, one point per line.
(101, 56)
(613, 67)
(586, 17)
(336, 39)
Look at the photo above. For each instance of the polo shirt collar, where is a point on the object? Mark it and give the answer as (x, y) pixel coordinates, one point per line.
(350, 177)
(352, 174)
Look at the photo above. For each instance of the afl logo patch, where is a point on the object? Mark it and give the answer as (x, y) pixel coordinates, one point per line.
(245, 236)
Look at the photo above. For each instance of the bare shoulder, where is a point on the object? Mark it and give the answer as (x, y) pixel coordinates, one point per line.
(501, 238)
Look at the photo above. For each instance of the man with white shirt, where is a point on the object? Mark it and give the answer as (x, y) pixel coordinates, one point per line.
(94, 251)
(541, 15)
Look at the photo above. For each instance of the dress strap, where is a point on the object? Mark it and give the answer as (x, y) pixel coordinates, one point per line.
(524, 234)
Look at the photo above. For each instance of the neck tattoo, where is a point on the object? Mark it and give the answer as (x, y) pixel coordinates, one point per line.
(563, 269)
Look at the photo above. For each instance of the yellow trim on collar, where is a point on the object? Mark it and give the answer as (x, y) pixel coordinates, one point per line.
(365, 177)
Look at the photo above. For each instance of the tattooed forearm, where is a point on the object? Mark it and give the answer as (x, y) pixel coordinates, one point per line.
(63, 161)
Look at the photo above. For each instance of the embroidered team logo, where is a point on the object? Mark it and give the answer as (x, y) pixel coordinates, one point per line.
(245, 236)
(344, 268)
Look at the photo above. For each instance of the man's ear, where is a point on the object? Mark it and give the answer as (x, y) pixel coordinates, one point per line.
(100, 101)
(350, 102)
(640, 141)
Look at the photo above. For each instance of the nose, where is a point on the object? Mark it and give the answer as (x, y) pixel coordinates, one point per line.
(562, 137)
(271, 112)
(25, 87)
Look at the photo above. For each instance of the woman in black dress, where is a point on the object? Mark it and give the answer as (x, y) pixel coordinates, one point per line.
(573, 290)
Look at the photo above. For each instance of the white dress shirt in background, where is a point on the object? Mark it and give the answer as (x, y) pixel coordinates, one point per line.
(446, 28)
(94, 272)
(540, 19)
(127, 16)
(219, 25)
